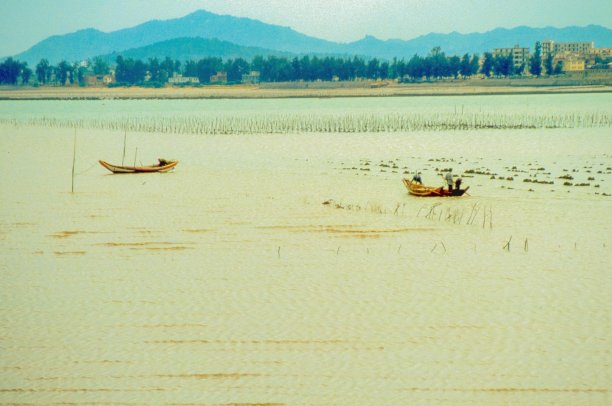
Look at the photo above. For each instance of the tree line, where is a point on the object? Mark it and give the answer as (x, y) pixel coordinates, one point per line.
(436, 65)
(14, 72)
(128, 71)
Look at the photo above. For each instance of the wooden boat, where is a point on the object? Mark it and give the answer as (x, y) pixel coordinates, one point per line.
(416, 189)
(162, 166)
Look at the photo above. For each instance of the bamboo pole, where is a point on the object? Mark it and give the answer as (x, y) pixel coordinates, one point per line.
(73, 160)
(124, 142)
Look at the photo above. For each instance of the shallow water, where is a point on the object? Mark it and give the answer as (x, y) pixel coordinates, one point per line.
(229, 281)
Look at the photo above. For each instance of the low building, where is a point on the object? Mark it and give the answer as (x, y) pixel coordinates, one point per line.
(602, 53)
(98, 80)
(253, 77)
(570, 61)
(574, 65)
(520, 56)
(178, 79)
(219, 78)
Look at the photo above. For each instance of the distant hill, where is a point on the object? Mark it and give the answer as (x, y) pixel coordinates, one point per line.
(459, 44)
(247, 32)
(241, 31)
(184, 49)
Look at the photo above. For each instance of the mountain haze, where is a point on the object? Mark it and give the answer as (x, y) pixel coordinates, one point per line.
(184, 49)
(458, 44)
(88, 43)
(245, 32)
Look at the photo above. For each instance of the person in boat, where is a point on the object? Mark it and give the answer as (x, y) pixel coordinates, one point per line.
(162, 162)
(458, 184)
(449, 179)
(417, 178)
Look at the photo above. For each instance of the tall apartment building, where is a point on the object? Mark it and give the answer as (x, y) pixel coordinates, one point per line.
(548, 48)
(574, 47)
(520, 56)
(552, 47)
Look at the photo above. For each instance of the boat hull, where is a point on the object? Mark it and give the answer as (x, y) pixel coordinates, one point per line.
(416, 189)
(139, 169)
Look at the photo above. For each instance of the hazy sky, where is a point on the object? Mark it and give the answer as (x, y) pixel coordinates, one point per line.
(23, 23)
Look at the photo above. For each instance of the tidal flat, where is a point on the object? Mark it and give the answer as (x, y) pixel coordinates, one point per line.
(293, 267)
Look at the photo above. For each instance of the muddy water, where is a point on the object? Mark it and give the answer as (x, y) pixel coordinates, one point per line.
(229, 281)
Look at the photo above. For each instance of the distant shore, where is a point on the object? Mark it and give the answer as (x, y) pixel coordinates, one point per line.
(297, 90)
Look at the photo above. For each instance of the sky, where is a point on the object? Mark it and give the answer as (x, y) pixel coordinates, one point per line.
(23, 23)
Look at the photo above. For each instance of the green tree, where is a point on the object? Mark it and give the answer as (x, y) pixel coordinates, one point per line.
(120, 69)
(397, 69)
(326, 69)
(100, 67)
(548, 64)
(129, 70)
(43, 71)
(63, 70)
(74, 73)
(359, 67)
(169, 67)
(26, 73)
(207, 67)
(487, 64)
(304, 70)
(296, 69)
(154, 69)
(436, 64)
(383, 72)
(475, 64)
(416, 67)
(79, 74)
(535, 66)
(373, 69)
(10, 71)
(346, 71)
(465, 67)
(503, 66)
(454, 66)
(235, 68)
(258, 62)
(276, 69)
(191, 69)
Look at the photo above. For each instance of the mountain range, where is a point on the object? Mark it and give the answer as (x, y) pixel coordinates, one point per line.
(202, 33)
(184, 49)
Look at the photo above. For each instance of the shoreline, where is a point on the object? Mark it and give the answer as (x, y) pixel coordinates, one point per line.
(280, 91)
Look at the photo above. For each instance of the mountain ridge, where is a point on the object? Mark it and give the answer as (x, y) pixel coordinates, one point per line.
(246, 32)
(196, 48)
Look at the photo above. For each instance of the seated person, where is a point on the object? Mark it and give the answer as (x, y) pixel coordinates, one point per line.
(417, 178)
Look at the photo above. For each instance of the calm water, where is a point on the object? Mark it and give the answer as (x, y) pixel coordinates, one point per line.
(111, 109)
(229, 281)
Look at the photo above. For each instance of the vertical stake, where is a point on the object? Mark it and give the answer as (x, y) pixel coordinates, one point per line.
(73, 160)
(124, 142)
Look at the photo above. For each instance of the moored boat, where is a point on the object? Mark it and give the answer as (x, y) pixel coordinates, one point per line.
(417, 189)
(162, 166)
